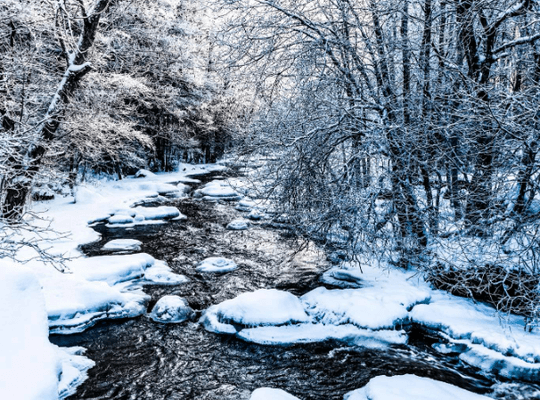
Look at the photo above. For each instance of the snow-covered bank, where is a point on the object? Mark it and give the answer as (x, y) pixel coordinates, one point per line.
(36, 298)
(31, 368)
(370, 312)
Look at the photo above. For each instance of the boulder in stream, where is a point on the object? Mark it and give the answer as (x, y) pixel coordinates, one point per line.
(171, 309)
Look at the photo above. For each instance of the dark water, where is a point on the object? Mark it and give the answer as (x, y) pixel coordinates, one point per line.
(142, 359)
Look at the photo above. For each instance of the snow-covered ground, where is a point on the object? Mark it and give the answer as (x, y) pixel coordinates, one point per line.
(36, 298)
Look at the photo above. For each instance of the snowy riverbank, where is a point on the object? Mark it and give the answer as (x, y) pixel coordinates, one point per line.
(371, 308)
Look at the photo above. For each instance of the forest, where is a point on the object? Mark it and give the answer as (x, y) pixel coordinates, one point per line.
(373, 163)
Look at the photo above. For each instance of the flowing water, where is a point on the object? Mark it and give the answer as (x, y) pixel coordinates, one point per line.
(141, 359)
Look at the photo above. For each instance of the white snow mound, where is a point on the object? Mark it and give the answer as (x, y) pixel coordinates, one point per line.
(122, 245)
(271, 394)
(171, 309)
(216, 264)
(410, 387)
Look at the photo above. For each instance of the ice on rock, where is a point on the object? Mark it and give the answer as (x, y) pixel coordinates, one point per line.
(163, 212)
(74, 369)
(256, 215)
(171, 309)
(161, 274)
(245, 205)
(259, 308)
(271, 394)
(218, 190)
(216, 264)
(112, 269)
(122, 245)
(74, 304)
(488, 343)
(118, 219)
(309, 333)
(410, 387)
(238, 225)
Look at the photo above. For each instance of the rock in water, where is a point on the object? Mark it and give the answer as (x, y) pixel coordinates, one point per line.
(217, 264)
(171, 309)
(238, 225)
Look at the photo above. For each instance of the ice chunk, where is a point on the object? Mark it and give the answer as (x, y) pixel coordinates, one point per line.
(122, 245)
(262, 307)
(216, 264)
(112, 269)
(308, 333)
(271, 394)
(161, 274)
(410, 387)
(256, 215)
(171, 309)
(238, 225)
(74, 369)
(163, 212)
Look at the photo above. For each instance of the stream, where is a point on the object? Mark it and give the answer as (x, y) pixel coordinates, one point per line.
(141, 359)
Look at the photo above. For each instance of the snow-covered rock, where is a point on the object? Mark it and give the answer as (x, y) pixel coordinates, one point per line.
(216, 264)
(238, 225)
(410, 387)
(118, 219)
(256, 215)
(271, 394)
(171, 309)
(31, 368)
(262, 307)
(122, 245)
(112, 269)
(218, 190)
(161, 274)
(162, 212)
(245, 205)
(144, 173)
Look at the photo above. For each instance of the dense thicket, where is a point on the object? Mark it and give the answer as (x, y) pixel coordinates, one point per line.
(406, 128)
(104, 85)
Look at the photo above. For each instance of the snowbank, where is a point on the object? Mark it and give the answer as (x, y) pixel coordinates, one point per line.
(31, 367)
(410, 387)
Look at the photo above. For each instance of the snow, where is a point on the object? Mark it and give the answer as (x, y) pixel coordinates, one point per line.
(112, 269)
(271, 394)
(161, 274)
(30, 365)
(216, 264)
(262, 307)
(171, 309)
(371, 307)
(238, 225)
(163, 212)
(122, 245)
(218, 189)
(144, 173)
(410, 387)
(309, 333)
